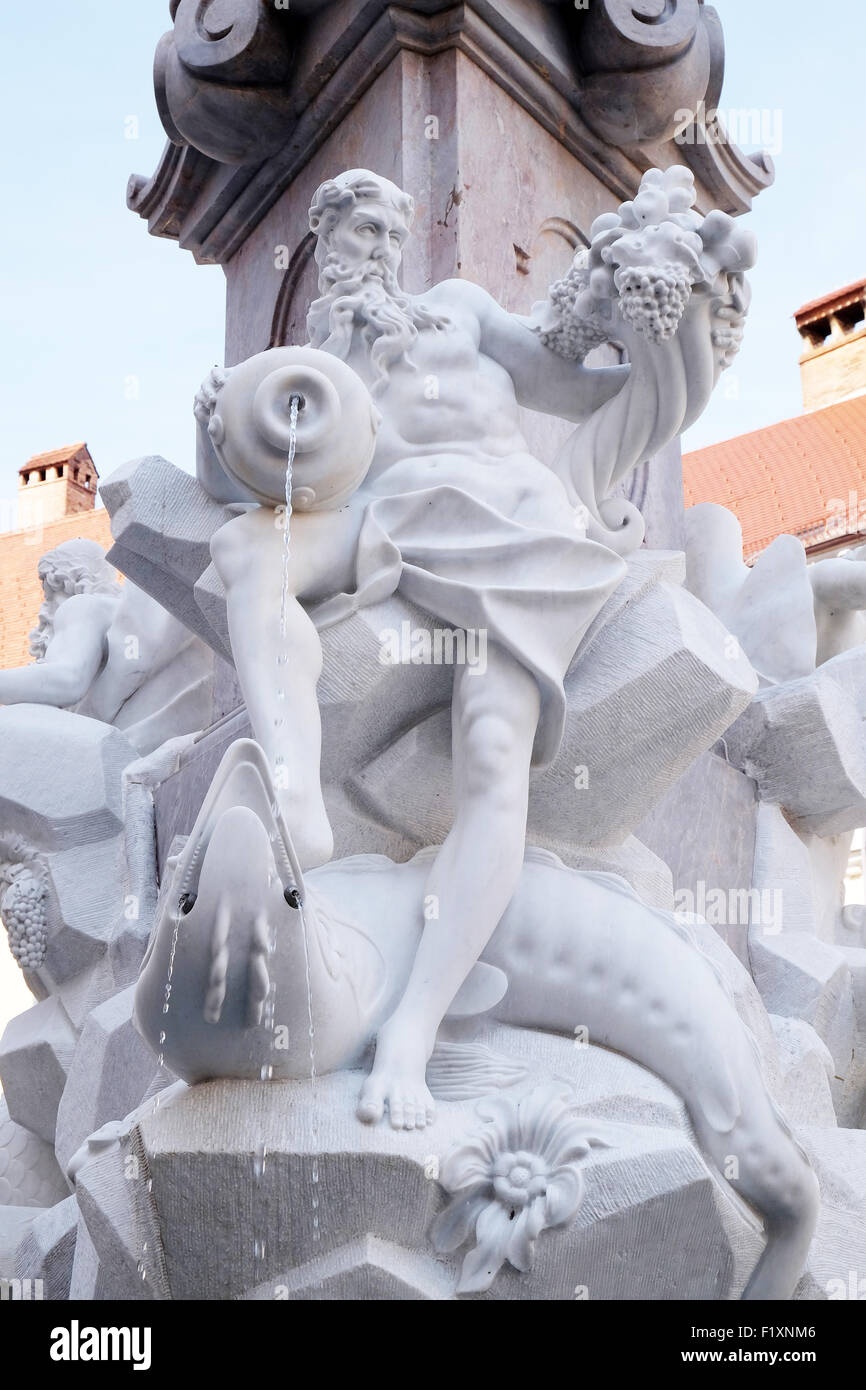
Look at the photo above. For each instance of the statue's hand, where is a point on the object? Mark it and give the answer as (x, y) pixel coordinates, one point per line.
(207, 394)
(570, 322)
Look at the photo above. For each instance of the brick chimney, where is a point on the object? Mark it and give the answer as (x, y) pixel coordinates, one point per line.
(833, 329)
(59, 483)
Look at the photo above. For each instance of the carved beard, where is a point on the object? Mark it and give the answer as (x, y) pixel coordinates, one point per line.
(366, 296)
(42, 634)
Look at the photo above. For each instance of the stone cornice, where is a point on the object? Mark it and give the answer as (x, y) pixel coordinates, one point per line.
(212, 207)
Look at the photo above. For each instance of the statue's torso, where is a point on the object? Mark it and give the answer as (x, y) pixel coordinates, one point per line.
(448, 397)
(450, 418)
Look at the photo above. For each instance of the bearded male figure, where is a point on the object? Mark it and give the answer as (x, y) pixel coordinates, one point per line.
(457, 515)
(111, 653)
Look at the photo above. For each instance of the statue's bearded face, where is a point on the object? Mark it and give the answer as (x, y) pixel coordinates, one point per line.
(359, 253)
(370, 236)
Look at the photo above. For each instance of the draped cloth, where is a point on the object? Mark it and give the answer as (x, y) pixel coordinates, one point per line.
(492, 548)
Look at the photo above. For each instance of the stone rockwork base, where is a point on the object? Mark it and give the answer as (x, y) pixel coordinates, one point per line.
(234, 1190)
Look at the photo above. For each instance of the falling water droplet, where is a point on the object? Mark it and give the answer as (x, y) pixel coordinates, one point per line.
(184, 905)
(290, 461)
(314, 1131)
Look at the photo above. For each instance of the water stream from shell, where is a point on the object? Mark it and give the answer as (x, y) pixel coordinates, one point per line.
(260, 1156)
(294, 407)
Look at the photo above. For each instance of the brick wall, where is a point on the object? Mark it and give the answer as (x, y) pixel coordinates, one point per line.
(20, 590)
(835, 372)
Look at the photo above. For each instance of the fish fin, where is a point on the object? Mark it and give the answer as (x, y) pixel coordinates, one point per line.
(219, 964)
(482, 989)
(465, 1071)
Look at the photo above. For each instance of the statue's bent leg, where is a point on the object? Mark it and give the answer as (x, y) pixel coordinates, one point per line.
(494, 719)
(279, 659)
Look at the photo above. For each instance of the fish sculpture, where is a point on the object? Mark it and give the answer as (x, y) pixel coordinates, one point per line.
(255, 970)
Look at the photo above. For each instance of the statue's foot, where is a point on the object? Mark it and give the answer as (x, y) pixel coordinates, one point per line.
(397, 1081)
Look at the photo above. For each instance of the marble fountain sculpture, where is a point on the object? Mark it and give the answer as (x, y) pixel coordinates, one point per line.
(389, 1021)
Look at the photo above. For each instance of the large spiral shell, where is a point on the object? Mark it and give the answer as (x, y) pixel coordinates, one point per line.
(336, 429)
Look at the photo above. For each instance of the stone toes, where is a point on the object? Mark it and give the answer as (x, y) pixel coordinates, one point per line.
(395, 1110)
(371, 1106)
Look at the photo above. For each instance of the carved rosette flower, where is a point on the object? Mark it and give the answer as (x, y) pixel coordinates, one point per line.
(518, 1176)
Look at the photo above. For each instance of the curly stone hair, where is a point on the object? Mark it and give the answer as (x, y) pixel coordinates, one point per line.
(335, 196)
(75, 567)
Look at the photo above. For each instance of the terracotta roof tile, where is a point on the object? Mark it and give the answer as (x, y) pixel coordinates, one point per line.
(54, 456)
(827, 301)
(784, 478)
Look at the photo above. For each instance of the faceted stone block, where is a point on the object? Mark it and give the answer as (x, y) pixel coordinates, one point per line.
(807, 1073)
(802, 977)
(48, 1249)
(704, 829)
(116, 1209)
(368, 1270)
(654, 690)
(88, 1282)
(835, 1268)
(803, 744)
(60, 776)
(35, 1054)
(110, 1074)
(162, 521)
(14, 1225)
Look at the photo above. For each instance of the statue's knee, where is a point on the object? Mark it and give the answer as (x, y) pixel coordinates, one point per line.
(227, 554)
(493, 755)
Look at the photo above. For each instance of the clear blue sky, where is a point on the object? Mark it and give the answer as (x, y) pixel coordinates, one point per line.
(88, 297)
(91, 300)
